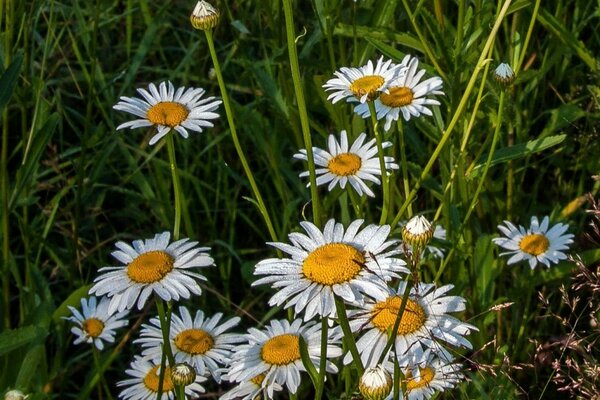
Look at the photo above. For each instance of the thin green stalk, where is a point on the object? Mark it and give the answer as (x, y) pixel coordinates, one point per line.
(392, 339)
(404, 164)
(384, 176)
(236, 142)
(176, 186)
(340, 307)
(303, 113)
(536, 9)
(323, 359)
(457, 114)
(103, 383)
(165, 327)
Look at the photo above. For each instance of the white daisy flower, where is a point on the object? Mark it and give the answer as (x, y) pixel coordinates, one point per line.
(275, 352)
(328, 263)
(200, 342)
(95, 324)
(423, 326)
(536, 244)
(152, 265)
(405, 95)
(167, 108)
(250, 389)
(363, 83)
(341, 164)
(145, 376)
(435, 375)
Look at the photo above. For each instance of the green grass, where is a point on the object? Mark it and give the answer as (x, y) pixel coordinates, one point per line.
(72, 185)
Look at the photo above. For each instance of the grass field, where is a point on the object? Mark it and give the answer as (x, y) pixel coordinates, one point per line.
(72, 186)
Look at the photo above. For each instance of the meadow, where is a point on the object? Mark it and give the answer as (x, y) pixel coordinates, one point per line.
(333, 250)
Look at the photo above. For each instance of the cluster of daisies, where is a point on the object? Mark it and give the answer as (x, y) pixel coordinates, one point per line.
(356, 301)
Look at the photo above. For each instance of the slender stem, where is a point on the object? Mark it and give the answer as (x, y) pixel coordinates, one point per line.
(529, 31)
(323, 359)
(404, 164)
(240, 152)
(176, 185)
(384, 176)
(303, 113)
(392, 339)
(165, 327)
(481, 62)
(348, 336)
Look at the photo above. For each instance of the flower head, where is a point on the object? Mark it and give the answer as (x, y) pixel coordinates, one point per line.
(539, 243)
(375, 383)
(144, 382)
(199, 341)
(331, 263)
(504, 74)
(406, 95)
(183, 374)
(204, 16)
(275, 352)
(166, 108)
(424, 324)
(152, 265)
(435, 375)
(95, 324)
(342, 165)
(363, 83)
(417, 232)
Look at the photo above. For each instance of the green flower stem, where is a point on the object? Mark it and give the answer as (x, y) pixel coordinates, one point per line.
(348, 336)
(103, 383)
(392, 339)
(384, 176)
(323, 359)
(303, 113)
(481, 62)
(404, 164)
(534, 15)
(240, 152)
(176, 185)
(165, 327)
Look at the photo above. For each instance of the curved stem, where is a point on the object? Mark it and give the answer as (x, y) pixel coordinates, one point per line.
(384, 176)
(526, 42)
(303, 113)
(176, 185)
(340, 307)
(240, 152)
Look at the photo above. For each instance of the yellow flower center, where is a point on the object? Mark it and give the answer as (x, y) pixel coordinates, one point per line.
(168, 113)
(281, 350)
(150, 267)
(194, 341)
(152, 378)
(344, 164)
(258, 379)
(427, 375)
(398, 96)
(385, 312)
(534, 244)
(333, 263)
(367, 85)
(93, 327)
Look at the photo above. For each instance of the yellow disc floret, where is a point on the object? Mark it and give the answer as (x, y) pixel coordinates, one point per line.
(333, 263)
(344, 164)
(152, 378)
(398, 96)
(281, 350)
(385, 312)
(167, 113)
(93, 327)
(534, 244)
(150, 267)
(367, 85)
(427, 375)
(194, 341)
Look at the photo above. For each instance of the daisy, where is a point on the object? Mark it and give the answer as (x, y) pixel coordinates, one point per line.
(95, 324)
(167, 108)
(199, 341)
(424, 324)
(145, 376)
(250, 389)
(152, 265)
(328, 263)
(436, 375)
(405, 95)
(363, 83)
(536, 244)
(275, 352)
(341, 165)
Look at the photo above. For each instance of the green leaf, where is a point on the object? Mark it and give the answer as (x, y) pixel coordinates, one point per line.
(484, 262)
(15, 338)
(9, 79)
(73, 300)
(375, 36)
(518, 151)
(310, 368)
(32, 365)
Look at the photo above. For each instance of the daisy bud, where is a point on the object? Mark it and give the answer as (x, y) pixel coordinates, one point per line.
(417, 232)
(204, 16)
(15, 395)
(183, 374)
(375, 384)
(504, 74)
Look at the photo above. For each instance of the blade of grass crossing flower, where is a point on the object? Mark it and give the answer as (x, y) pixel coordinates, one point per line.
(310, 368)
(384, 174)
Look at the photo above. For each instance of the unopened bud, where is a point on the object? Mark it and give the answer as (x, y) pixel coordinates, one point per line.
(15, 395)
(204, 16)
(375, 384)
(417, 232)
(504, 74)
(183, 374)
